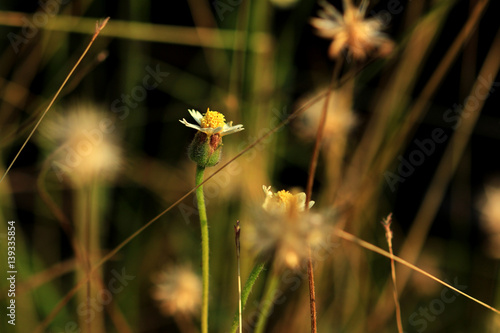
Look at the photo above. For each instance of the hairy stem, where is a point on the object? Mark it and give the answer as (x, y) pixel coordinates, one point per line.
(204, 247)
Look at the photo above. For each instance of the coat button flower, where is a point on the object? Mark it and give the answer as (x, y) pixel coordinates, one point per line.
(206, 147)
(286, 230)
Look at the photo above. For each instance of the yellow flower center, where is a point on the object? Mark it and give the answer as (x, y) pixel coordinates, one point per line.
(212, 119)
(285, 197)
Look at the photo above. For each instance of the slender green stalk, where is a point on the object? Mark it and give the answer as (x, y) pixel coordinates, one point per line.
(247, 288)
(94, 249)
(237, 231)
(204, 247)
(81, 219)
(267, 301)
(89, 236)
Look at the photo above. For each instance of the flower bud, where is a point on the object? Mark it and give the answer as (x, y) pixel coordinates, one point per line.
(205, 150)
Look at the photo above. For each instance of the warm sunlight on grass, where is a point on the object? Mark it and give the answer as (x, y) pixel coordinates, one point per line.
(346, 183)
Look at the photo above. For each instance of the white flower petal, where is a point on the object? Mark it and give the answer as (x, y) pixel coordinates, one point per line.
(196, 127)
(222, 130)
(267, 190)
(196, 115)
(301, 201)
(270, 203)
(232, 129)
(219, 129)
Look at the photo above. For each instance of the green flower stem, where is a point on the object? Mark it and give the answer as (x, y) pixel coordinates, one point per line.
(204, 247)
(254, 274)
(267, 302)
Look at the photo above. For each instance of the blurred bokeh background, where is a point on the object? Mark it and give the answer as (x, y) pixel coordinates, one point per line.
(415, 133)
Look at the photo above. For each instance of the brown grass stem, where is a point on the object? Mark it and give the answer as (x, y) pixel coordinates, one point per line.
(321, 129)
(312, 293)
(420, 228)
(98, 29)
(310, 180)
(449, 162)
(416, 113)
(353, 239)
(388, 236)
(54, 208)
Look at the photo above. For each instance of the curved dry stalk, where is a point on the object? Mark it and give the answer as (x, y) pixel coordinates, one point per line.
(388, 236)
(450, 160)
(310, 181)
(47, 275)
(351, 238)
(98, 29)
(416, 112)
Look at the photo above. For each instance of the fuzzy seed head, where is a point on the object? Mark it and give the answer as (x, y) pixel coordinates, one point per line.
(177, 290)
(351, 31)
(83, 144)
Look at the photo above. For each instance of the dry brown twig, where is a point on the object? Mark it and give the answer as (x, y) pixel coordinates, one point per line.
(353, 239)
(388, 236)
(98, 28)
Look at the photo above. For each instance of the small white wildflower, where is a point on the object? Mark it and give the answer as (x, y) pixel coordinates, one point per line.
(212, 122)
(285, 229)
